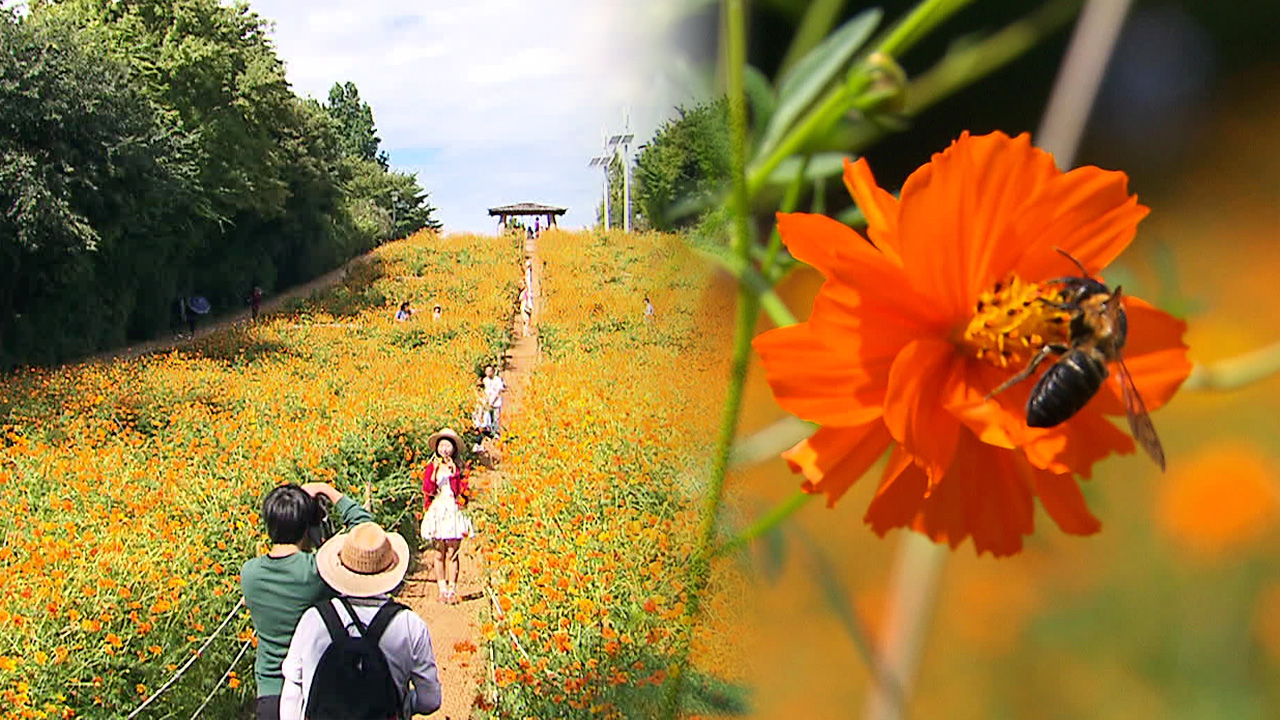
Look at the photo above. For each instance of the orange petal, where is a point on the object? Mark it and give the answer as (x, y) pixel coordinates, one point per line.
(986, 494)
(822, 242)
(1000, 421)
(833, 459)
(867, 334)
(1062, 500)
(913, 413)
(1155, 354)
(813, 382)
(878, 206)
(902, 489)
(1087, 212)
(1075, 445)
(955, 216)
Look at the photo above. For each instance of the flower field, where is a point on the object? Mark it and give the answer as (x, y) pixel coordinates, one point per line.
(129, 490)
(591, 536)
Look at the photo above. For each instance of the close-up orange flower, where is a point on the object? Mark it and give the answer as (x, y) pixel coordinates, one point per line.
(950, 295)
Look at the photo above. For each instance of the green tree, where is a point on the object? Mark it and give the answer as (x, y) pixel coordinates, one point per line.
(686, 161)
(94, 186)
(358, 134)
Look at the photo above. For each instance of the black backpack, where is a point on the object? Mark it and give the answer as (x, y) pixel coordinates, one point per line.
(353, 680)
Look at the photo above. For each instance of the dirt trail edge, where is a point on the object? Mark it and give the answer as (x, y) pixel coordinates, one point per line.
(455, 629)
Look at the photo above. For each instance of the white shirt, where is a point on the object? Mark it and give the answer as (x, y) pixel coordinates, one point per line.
(493, 387)
(406, 644)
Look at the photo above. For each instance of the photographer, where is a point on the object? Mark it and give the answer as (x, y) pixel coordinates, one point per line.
(279, 586)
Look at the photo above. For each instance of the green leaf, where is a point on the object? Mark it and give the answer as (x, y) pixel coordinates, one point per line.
(799, 88)
(821, 165)
(760, 97)
(819, 17)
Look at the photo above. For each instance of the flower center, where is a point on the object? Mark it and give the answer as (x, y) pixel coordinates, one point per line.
(1010, 323)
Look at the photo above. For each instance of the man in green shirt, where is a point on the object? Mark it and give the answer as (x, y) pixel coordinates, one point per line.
(279, 586)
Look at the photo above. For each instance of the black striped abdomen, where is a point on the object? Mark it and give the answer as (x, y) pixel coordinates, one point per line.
(1065, 388)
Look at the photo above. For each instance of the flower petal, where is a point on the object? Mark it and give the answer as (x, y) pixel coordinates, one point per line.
(902, 488)
(1063, 501)
(1155, 354)
(822, 242)
(955, 214)
(867, 333)
(920, 376)
(878, 206)
(1075, 445)
(833, 459)
(985, 495)
(814, 383)
(1087, 212)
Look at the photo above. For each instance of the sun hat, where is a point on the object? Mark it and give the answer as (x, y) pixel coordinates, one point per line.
(445, 433)
(364, 561)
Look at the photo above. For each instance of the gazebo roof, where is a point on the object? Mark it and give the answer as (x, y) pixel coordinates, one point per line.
(528, 208)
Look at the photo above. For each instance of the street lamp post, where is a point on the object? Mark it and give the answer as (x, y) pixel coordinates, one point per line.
(625, 141)
(603, 161)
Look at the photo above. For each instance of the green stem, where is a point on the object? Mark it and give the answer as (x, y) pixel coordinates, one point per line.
(765, 523)
(925, 17)
(962, 68)
(748, 310)
(1237, 372)
(835, 104)
(853, 93)
(789, 202)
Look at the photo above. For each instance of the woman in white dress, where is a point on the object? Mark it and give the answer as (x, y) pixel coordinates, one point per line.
(443, 485)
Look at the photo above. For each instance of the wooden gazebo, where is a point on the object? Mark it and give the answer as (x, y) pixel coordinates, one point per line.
(506, 212)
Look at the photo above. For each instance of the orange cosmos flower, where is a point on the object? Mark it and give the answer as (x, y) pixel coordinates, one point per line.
(911, 330)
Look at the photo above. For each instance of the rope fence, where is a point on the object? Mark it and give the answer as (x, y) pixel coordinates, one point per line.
(191, 661)
(218, 685)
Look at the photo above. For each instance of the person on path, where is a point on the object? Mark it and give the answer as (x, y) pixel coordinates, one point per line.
(279, 587)
(255, 301)
(444, 486)
(494, 387)
(526, 307)
(480, 415)
(182, 314)
(364, 566)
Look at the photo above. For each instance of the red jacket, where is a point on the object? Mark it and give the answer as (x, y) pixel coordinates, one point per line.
(457, 483)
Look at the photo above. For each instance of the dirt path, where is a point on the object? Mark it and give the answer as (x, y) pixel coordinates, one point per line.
(269, 305)
(455, 629)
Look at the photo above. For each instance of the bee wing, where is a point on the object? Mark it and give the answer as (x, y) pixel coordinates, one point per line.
(1144, 432)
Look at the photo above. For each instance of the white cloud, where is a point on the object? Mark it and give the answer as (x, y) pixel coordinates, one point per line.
(514, 94)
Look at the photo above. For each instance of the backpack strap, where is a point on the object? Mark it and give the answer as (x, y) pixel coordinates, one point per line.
(385, 615)
(354, 617)
(331, 620)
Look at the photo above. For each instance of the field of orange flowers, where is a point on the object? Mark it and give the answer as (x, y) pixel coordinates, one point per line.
(591, 536)
(129, 489)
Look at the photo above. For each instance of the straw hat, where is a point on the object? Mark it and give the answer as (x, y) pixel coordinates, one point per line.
(364, 562)
(445, 433)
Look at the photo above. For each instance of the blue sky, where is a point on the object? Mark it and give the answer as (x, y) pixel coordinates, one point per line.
(490, 102)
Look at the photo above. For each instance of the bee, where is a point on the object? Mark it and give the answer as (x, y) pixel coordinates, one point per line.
(1096, 337)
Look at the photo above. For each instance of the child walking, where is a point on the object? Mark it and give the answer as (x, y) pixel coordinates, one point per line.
(443, 485)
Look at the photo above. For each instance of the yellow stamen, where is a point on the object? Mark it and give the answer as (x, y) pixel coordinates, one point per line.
(1011, 323)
